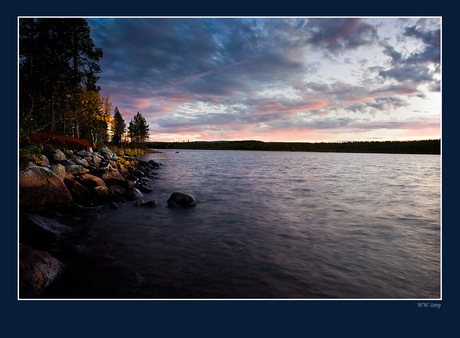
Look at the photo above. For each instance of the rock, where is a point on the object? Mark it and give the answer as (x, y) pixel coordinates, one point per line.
(69, 178)
(81, 161)
(66, 162)
(116, 193)
(132, 194)
(79, 193)
(76, 169)
(90, 181)
(44, 162)
(139, 202)
(37, 271)
(122, 169)
(143, 188)
(40, 187)
(138, 173)
(102, 193)
(56, 155)
(106, 152)
(150, 204)
(154, 164)
(58, 170)
(68, 153)
(48, 224)
(83, 153)
(28, 160)
(178, 199)
(96, 160)
(114, 177)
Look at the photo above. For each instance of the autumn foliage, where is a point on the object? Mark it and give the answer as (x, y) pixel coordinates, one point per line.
(58, 141)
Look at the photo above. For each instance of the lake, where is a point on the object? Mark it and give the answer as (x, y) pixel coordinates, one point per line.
(271, 225)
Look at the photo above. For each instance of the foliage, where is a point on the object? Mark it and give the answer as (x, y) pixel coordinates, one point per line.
(403, 147)
(118, 127)
(57, 58)
(93, 113)
(130, 151)
(50, 141)
(138, 129)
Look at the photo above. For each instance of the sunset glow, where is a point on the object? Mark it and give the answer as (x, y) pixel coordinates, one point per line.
(275, 79)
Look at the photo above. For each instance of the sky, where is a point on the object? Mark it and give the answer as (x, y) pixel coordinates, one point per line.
(291, 79)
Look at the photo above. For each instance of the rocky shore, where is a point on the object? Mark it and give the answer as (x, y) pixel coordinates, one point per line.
(62, 180)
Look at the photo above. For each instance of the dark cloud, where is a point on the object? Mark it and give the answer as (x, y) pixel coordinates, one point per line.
(340, 34)
(409, 72)
(231, 53)
(415, 66)
(430, 36)
(187, 75)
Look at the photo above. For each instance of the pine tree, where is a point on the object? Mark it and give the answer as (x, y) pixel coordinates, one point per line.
(57, 58)
(138, 129)
(118, 127)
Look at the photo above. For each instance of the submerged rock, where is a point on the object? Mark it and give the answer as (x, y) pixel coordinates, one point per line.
(178, 199)
(37, 270)
(132, 194)
(49, 225)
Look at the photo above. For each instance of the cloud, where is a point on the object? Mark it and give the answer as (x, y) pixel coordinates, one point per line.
(340, 34)
(408, 72)
(420, 65)
(248, 75)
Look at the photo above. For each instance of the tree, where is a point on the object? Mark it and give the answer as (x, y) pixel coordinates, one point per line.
(118, 127)
(92, 116)
(57, 58)
(138, 129)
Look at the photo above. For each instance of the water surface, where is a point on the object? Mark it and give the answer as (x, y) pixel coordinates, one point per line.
(273, 225)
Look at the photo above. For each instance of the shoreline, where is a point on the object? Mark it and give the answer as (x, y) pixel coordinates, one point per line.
(67, 184)
(429, 147)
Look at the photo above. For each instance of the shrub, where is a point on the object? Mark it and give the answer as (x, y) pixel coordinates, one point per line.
(50, 141)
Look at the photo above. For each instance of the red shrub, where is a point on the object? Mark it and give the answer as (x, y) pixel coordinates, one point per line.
(59, 141)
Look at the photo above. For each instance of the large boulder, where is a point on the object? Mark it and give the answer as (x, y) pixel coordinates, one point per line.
(56, 155)
(178, 199)
(39, 187)
(90, 181)
(132, 194)
(49, 224)
(37, 271)
(79, 193)
(114, 177)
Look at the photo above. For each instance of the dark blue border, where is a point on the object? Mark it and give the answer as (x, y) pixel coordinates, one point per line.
(228, 318)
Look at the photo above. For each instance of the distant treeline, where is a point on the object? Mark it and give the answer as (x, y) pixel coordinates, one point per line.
(400, 147)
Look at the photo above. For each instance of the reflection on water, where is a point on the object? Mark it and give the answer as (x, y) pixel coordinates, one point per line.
(272, 225)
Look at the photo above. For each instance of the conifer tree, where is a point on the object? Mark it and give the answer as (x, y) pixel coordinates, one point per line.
(57, 59)
(138, 129)
(118, 127)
